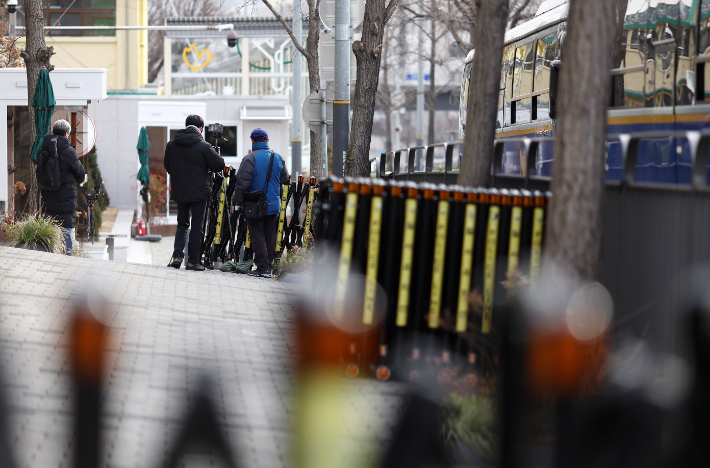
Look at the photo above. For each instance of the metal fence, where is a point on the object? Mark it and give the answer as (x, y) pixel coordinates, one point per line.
(653, 232)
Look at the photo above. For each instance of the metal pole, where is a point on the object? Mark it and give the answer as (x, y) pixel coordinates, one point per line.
(324, 128)
(296, 94)
(13, 25)
(420, 102)
(341, 103)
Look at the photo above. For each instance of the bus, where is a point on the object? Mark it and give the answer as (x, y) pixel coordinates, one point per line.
(660, 82)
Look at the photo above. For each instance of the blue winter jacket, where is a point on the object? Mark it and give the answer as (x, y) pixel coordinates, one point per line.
(252, 176)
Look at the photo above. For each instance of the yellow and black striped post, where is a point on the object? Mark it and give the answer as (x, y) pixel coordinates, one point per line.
(220, 211)
(346, 249)
(490, 260)
(282, 217)
(538, 225)
(438, 264)
(309, 208)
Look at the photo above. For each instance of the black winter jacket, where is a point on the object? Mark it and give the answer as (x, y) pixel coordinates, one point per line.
(61, 203)
(188, 158)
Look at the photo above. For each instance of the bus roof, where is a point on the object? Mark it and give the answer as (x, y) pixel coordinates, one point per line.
(550, 12)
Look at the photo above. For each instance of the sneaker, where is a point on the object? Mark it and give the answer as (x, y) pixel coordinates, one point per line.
(260, 273)
(175, 262)
(195, 266)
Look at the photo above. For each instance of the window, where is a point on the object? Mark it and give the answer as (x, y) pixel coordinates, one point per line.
(522, 106)
(80, 13)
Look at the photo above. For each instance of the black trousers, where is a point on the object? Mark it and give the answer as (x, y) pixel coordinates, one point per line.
(262, 233)
(197, 210)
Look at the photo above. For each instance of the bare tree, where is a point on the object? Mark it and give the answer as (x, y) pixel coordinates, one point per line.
(368, 54)
(483, 94)
(36, 56)
(312, 59)
(574, 219)
(158, 12)
(384, 90)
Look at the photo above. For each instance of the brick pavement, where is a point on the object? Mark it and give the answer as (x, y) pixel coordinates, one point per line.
(165, 333)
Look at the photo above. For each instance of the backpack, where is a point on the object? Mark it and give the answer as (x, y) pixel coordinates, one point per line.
(48, 175)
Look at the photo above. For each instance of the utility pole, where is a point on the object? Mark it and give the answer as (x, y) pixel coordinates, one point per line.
(296, 94)
(420, 101)
(341, 103)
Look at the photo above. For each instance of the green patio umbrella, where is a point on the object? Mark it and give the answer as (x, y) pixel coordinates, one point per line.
(143, 147)
(43, 103)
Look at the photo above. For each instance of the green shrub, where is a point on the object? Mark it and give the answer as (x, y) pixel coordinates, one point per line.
(470, 421)
(37, 229)
(91, 167)
(298, 260)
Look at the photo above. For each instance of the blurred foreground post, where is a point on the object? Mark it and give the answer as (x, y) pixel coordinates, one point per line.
(575, 221)
(88, 335)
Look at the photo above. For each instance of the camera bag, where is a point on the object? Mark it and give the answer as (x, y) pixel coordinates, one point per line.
(256, 204)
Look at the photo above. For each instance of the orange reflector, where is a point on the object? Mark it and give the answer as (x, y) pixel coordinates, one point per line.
(365, 189)
(415, 353)
(300, 178)
(377, 190)
(383, 350)
(353, 187)
(395, 191)
(484, 197)
(412, 192)
(313, 181)
(226, 169)
(352, 371)
(414, 376)
(472, 358)
(446, 356)
(428, 194)
(471, 380)
(383, 373)
(458, 196)
(338, 187)
(88, 336)
(352, 348)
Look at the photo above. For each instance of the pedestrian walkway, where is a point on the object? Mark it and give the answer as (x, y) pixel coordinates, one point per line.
(168, 327)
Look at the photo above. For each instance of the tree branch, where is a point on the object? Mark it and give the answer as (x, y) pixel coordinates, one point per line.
(288, 29)
(389, 11)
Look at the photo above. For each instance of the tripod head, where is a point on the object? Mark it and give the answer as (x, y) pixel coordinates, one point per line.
(216, 130)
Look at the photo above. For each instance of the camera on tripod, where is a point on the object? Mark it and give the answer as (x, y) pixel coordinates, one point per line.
(94, 194)
(215, 130)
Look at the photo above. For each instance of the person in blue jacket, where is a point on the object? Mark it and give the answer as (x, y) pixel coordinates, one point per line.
(252, 177)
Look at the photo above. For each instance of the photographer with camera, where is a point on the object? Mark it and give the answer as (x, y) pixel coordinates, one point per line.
(58, 170)
(188, 160)
(259, 180)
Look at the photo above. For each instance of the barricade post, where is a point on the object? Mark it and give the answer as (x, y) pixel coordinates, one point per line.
(285, 190)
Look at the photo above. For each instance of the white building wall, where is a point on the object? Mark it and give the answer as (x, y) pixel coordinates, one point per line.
(118, 121)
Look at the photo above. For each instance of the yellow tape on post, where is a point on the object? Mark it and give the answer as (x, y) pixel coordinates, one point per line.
(405, 277)
(247, 243)
(309, 210)
(220, 212)
(536, 248)
(516, 221)
(469, 235)
(437, 273)
(373, 260)
(489, 267)
(282, 218)
(346, 253)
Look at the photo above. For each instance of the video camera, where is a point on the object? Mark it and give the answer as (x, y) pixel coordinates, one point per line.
(94, 194)
(216, 130)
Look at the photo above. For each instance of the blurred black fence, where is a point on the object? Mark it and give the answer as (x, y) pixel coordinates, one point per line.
(432, 262)
(653, 231)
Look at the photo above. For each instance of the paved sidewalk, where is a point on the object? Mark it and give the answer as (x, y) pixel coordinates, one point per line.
(168, 327)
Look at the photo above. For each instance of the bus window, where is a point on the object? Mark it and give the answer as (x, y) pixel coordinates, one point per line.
(685, 75)
(463, 103)
(523, 83)
(506, 85)
(545, 53)
(702, 80)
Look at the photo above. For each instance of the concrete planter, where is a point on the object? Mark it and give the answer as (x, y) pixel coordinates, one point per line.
(99, 252)
(38, 247)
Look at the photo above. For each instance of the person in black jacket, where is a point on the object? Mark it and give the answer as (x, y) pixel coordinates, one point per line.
(188, 158)
(60, 204)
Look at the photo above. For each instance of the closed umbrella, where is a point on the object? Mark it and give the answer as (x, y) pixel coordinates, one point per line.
(43, 103)
(143, 147)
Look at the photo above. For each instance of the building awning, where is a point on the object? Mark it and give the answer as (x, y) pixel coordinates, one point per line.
(266, 113)
(244, 27)
(72, 86)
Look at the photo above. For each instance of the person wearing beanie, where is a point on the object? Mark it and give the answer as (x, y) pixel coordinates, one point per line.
(61, 204)
(252, 176)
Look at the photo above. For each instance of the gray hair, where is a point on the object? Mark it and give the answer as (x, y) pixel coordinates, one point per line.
(62, 126)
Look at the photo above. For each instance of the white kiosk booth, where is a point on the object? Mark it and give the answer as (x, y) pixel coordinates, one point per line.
(74, 90)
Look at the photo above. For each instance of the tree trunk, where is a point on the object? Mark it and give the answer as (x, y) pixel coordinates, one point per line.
(574, 219)
(36, 56)
(483, 93)
(431, 98)
(368, 53)
(314, 85)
